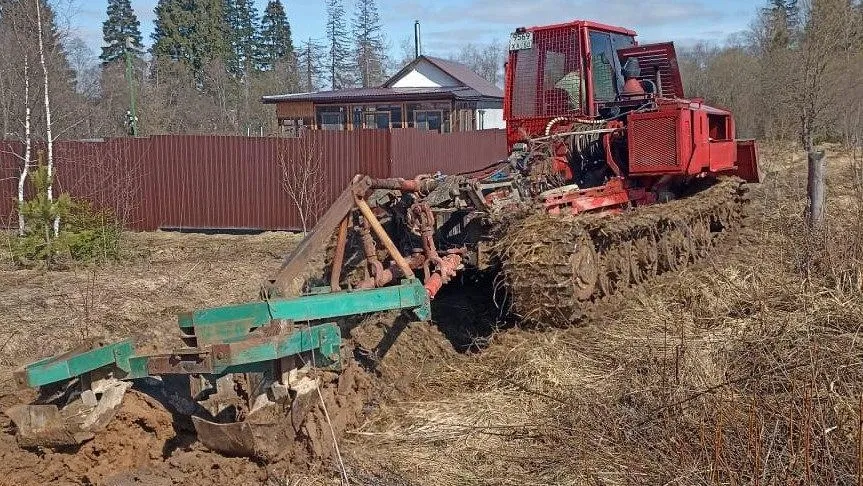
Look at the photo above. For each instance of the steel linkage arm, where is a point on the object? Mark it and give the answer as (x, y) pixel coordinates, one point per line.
(336, 217)
(300, 257)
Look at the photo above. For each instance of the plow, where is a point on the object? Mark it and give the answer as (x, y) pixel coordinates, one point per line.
(613, 177)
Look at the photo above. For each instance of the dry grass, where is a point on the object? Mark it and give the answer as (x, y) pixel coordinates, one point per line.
(42, 313)
(742, 370)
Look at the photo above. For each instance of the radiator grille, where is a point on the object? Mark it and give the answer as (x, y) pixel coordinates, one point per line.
(652, 144)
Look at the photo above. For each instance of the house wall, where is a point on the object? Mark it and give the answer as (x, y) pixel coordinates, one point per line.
(425, 75)
(491, 118)
(295, 109)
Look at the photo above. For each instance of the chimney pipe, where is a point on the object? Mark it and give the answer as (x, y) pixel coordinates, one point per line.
(417, 39)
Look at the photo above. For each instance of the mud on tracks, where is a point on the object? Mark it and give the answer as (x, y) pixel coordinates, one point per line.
(556, 269)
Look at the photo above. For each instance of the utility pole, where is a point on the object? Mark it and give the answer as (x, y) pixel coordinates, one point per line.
(132, 114)
(417, 39)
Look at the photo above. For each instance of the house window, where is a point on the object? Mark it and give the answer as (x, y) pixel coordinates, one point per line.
(331, 117)
(431, 120)
(429, 116)
(394, 112)
(377, 119)
(332, 121)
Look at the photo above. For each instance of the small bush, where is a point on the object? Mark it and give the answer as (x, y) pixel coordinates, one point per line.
(92, 235)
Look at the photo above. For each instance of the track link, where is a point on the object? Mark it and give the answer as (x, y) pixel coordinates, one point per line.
(556, 268)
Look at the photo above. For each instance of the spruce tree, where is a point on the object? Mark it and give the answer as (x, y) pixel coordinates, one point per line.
(189, 31)
(339, 50)
(310, 68)
(369, 49)
(783, 18)
(172, 23)
(275, 39)
(122, 24)
(241, 25)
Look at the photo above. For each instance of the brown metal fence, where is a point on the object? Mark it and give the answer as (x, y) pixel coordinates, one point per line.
(422, 152)
(219, 182)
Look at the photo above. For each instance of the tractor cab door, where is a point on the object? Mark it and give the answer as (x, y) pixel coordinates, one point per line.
(604, 65)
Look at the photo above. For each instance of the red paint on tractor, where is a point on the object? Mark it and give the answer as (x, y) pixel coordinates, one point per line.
(581, 72)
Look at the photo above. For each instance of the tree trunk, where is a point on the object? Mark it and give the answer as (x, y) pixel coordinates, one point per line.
(815, 187)
(50, 138)
(310, 86)
(25, 166)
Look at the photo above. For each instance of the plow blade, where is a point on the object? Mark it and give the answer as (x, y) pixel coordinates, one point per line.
(241, 439)
(265, 427)
(244, 377)
(44, 426)
(275, 418)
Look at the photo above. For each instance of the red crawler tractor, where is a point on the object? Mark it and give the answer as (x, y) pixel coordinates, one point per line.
(614, 114)
(612, 178)
(597, 127)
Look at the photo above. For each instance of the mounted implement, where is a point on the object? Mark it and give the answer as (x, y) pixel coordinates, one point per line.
(241, 359)
(612, 178)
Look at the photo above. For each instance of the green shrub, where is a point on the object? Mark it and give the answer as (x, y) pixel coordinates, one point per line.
(92, 235)
(86, 234)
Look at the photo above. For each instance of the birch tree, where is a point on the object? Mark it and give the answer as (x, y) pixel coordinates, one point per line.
(47, 100)
(28, 144)
(16, 34)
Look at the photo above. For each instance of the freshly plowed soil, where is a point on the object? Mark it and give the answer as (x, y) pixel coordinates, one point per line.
(141, 432)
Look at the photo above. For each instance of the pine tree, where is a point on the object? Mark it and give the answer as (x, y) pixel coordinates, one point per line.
(275, 40)
(369, 49)
(122, 24)
(241, 25)
(339, 52)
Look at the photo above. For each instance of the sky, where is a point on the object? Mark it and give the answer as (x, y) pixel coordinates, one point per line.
(449, 24)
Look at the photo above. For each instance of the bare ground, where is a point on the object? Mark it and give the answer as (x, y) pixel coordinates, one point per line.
(164, 273)
(744, 366)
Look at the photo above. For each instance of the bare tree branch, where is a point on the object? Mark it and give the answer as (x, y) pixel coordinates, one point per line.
(302, 177)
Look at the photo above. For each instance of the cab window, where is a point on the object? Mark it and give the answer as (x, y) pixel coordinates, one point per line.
(605, 66)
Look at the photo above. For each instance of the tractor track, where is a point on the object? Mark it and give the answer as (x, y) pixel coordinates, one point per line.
(559, 269)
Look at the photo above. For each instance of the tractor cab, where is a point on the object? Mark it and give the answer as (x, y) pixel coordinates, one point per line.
(582, 69)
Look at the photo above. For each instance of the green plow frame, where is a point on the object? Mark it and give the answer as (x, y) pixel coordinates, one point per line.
(237, 338)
